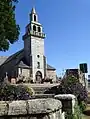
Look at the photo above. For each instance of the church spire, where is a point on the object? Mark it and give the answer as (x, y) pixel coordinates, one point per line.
(33, 11)
(33, 15)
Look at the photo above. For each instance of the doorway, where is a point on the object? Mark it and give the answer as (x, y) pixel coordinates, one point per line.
(38, 77)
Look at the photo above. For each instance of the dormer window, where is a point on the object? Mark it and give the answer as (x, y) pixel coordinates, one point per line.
(34, 28)
(34, 17)
(39, 29)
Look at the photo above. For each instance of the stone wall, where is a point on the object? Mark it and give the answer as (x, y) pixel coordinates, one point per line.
(31, 109)
(26, 72)
(68, 102)
(51, 74)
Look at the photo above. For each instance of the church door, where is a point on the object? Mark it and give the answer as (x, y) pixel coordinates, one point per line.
(38, 77)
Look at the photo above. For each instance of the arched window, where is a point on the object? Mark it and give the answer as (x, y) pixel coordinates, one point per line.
(34, 17)
(34, 28)
(38, 65)
(39, 29)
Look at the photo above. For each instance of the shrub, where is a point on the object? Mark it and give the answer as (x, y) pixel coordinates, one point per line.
(82, 106)
(77, 113)
(12, 92)
(71, 85)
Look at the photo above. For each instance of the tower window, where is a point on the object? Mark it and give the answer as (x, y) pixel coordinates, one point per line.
(39, 29)
(38, 65)
(34, 17)
(38, 56)
(34, 28)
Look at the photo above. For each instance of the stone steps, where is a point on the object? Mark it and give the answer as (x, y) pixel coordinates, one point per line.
(40, 88)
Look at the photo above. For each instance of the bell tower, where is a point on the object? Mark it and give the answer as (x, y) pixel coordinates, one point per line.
(34, 47)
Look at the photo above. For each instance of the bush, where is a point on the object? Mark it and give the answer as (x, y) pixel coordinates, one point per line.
(71, 85)
(76, 115)
(82, 106)
(12, 92)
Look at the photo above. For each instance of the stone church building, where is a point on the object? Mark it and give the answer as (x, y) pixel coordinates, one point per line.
(30, 61)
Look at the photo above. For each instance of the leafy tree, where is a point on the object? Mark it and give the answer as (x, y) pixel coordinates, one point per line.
(9, 30)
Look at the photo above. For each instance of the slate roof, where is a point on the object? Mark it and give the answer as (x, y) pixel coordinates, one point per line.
(3, 59)
(50, 67)
(20, 60)
(23, 65)
(18, 55)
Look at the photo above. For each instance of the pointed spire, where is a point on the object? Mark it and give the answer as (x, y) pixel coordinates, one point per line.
(33, 10)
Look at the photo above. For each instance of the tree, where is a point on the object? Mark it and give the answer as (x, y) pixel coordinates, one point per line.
(9, 30)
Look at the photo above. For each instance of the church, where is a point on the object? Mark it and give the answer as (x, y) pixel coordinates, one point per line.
(29, 61)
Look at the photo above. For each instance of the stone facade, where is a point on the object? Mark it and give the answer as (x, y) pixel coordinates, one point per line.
(26, 72)
(34, 46)
(51, 74)
(30, 61)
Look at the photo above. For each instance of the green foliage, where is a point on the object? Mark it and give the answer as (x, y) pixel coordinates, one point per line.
(9, 30)
(82, 106)
(71, 85)
(70, 79)
(77, 113)
(29, 90)
(12, 92)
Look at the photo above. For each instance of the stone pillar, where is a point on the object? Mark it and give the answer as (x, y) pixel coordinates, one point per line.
(68, 102)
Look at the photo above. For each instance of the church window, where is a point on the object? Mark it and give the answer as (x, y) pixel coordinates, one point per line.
(21, 70)
(34, 28)
(34, 17)
(38, 65)
(39, 29)
(38, 56)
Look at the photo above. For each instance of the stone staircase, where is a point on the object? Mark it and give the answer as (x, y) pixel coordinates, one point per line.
(41, 88)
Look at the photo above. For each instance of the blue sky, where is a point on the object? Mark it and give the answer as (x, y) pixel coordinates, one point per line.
(67, 27)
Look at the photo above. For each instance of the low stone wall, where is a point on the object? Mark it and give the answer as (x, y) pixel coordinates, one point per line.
(31, 109)
(68, 102)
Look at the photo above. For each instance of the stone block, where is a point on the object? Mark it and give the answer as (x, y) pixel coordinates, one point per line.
(68, 102)
(3, 108)
(45, 108)
(17, 108)
(48, 105)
